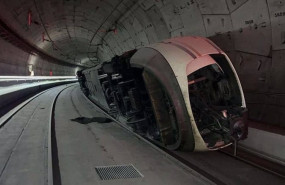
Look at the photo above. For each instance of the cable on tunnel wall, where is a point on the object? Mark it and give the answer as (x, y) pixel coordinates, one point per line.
(97, 30)
(45, 29)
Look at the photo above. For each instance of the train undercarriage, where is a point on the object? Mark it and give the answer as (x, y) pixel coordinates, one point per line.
(152, 102)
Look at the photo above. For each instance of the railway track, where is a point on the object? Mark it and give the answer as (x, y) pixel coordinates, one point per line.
(202, 165)
(53, 176)
(183, 158)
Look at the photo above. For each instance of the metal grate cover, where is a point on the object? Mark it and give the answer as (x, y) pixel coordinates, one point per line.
(117, 172)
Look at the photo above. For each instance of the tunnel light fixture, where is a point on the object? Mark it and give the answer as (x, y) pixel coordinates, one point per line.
(29, 17)
(43, 38)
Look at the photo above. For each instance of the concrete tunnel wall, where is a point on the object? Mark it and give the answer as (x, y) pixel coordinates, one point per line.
(251, 32)
(14, 61)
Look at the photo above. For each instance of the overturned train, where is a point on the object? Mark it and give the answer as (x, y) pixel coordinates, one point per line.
(182, 93)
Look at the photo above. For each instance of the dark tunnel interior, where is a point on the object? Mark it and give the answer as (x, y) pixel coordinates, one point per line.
(58, 38)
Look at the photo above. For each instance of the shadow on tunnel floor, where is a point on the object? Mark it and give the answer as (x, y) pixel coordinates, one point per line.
(84, 120)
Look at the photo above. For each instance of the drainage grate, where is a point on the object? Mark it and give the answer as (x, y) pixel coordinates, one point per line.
(117, 172)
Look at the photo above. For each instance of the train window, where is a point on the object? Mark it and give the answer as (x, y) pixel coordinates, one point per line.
(216, 102)
(230, 76)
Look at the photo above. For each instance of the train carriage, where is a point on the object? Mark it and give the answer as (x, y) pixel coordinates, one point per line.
(181, 93)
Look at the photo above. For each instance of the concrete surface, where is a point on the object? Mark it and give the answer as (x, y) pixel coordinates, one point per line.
(269, 145)
(23, 143)
(251, 32)
(85, 140)
(82, 147)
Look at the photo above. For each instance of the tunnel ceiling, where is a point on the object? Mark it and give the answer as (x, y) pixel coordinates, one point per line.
(86, 32)
(69, 30)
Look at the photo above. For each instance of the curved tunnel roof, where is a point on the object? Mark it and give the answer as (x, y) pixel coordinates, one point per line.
(85, 32)
(61, 36)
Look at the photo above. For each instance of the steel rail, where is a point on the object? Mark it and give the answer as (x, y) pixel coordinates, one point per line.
(181, 161)
(53, 176)
(5, 118)
(53, 164)
(206, 177)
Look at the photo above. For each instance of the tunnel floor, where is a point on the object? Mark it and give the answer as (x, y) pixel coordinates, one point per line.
(86, 141)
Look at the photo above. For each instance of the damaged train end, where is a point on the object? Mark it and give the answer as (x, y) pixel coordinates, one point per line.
(182, 93)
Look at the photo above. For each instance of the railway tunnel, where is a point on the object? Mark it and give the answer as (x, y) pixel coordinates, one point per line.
(52, 133)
